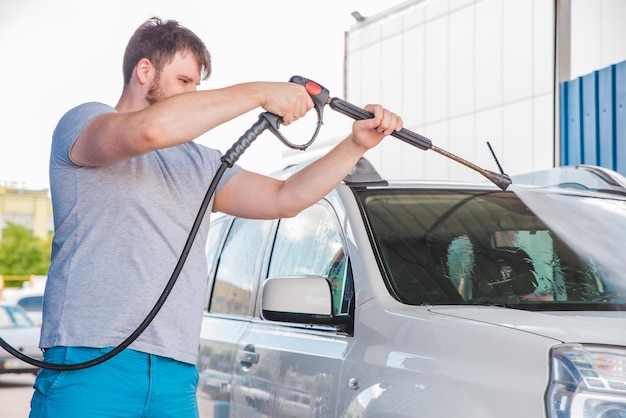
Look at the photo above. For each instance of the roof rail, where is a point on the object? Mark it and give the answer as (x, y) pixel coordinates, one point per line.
(580, 176)
(363, 173)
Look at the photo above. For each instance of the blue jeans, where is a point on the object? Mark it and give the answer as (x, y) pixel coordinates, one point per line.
(131, 384)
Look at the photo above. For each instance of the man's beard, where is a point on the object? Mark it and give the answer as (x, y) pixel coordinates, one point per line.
(155, 94)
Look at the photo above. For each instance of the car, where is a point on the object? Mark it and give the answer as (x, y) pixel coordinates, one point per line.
(423, 299)
(28, 298)
(19, 331)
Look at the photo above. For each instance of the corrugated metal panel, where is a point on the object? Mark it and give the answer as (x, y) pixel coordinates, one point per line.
(571, 131)
(620, 117)
(606, 117)
(593, 119)
(590, 120)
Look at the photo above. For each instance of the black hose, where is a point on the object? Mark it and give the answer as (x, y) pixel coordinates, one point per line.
(157, 307)
(228, 160)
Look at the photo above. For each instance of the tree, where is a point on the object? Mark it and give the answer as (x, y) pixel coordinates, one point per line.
(21, 253)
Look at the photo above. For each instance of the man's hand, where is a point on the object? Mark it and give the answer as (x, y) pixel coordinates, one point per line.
(287, 100)
(368, 133)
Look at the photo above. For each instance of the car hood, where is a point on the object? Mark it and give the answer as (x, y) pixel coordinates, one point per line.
(598, 327)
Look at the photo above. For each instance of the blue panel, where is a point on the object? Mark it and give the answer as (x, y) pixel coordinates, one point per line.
(620, 118)
(593, 119)
(574, 123)
(589, 119)
(606, 119)
(564, 94)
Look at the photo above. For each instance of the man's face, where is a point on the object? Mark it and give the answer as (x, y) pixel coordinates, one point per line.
(179, 76)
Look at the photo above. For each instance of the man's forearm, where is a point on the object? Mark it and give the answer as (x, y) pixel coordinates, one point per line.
(314, 181)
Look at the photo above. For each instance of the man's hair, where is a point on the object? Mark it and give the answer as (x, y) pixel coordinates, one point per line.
(159, 41)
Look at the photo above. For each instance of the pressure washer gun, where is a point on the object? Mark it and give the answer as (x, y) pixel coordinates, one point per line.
(321, 97)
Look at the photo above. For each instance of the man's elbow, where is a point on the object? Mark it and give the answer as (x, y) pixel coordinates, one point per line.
(150, 138)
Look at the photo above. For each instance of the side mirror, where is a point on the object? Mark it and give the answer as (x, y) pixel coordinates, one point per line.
(298, 299)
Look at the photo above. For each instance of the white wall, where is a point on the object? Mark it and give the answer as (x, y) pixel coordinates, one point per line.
(460, 72)
(598, 35)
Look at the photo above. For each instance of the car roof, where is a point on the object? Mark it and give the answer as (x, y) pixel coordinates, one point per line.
(579, 177)
(364, 174)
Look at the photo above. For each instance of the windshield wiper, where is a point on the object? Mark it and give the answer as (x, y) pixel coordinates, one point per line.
(496, 303)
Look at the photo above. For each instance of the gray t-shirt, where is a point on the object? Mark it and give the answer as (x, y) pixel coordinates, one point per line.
(119, 231)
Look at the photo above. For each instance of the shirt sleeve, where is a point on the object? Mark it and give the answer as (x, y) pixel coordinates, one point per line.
(69, 128)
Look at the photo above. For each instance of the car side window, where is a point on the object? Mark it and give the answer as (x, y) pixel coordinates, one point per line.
(239, 267)
(216, 232)
(310, 244)
(5, 318)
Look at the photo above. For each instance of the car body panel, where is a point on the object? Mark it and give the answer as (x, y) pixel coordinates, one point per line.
(579, 327)
(21, 334)
(440, 365)
(297, 380)
(216, 362)
(25, 340)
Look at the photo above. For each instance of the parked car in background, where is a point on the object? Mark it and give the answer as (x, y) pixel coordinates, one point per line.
(423, 299)
(29, 298)
(17, 329)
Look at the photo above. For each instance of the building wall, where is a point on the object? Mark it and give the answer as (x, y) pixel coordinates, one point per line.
(464, 72)
(597, 35)
(461, 73)
(29, 208)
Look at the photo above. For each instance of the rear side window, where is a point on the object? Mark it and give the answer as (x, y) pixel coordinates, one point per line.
(239, 267)
(31, 303)
(216, 233)
(310, 244)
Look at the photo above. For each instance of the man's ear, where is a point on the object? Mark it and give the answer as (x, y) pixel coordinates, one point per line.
(144, 70)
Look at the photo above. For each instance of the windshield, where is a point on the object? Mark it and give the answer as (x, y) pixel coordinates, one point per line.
(477, 247)
(13, 317)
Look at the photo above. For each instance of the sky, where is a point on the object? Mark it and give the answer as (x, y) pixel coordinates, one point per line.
(56, 54)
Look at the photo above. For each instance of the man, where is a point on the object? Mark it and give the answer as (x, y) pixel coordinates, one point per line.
(126, 184)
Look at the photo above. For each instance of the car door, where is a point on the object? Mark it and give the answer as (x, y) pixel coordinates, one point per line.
(235, 267)
(291, 370)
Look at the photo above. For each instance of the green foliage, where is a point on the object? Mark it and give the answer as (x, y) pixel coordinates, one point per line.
(23, 253)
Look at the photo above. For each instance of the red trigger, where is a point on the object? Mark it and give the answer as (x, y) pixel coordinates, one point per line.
(313, 88)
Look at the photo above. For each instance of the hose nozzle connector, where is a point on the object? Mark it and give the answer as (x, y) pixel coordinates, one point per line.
(501, 180)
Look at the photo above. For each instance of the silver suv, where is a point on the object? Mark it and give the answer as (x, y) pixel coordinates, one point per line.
(420, 299)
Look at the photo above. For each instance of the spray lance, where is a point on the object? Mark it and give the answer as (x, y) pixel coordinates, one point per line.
(321, 98)
(320, 93)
